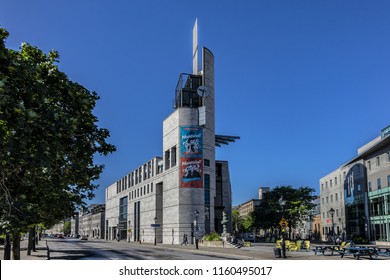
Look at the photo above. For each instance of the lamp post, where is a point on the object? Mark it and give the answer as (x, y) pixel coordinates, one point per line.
(129, 231)
(196, 229)
(282, 203)
(155, 239)
(342, 229)
(331, 212)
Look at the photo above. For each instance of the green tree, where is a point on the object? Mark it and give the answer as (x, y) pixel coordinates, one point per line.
(297, 204)
(66, 228)
(48, 140)
(237, 221)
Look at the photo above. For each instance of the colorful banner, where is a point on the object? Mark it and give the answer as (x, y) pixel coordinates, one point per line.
(191, 157)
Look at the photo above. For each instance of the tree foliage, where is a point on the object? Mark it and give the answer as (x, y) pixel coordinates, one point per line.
(48, 139)
(297, 204)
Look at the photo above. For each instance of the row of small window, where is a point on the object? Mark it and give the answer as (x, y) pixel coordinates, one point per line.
(379, 183)
(331, 182)
(141, 191)
(137, 176)
(336, 197)
(329, 215)
(378, 161)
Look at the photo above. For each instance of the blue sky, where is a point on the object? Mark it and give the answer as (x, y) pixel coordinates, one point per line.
(303, 83)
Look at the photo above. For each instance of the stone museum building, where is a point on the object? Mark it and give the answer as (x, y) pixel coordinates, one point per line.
(185, 190)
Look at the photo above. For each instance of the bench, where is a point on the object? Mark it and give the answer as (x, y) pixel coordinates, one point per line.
(357, 252)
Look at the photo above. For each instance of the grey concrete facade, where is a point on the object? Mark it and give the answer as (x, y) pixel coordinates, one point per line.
(185, 190)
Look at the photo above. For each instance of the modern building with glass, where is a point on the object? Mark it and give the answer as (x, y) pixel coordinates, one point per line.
(365, 201)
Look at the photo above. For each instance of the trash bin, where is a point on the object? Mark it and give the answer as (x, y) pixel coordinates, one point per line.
(277, 253)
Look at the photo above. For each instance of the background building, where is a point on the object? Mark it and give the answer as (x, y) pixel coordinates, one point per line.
(366, 193)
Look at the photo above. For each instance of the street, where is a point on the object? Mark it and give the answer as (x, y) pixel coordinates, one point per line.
(95, 249)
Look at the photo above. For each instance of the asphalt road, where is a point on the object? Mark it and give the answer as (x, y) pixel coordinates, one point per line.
(74, 249)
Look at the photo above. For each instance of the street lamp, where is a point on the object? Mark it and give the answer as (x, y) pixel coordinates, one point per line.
(129, 231)
(196, 229)
(331, 212)
(155, 222)
(282, 203)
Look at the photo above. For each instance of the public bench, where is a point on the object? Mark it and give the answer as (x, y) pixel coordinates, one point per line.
(358, 251)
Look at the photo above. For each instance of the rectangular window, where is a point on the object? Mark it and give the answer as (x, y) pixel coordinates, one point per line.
(378, 162)
(322, 186)
(336, 197)
(326, 184)
(151, 187)
(369, 165)
(173, 156)
(167, 159)
(359, 188)
(331, 182)
(335, 181)
(323, 201)
(369, 186)
(331, 198)
(388, 180)
(379, 183)
(206, 162)
(327, 200)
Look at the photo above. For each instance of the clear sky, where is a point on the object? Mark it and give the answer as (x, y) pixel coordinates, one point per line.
(304, 83)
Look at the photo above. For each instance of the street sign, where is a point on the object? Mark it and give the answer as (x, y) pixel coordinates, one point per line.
(283, 223)
(155, 225)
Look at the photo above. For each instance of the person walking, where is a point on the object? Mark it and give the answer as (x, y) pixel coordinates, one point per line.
(185, 240)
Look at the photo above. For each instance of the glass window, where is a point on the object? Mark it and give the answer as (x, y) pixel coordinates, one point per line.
(378, 162)
(369, 165)
(206, 162)
(388, 180)
(379, 183)
(369, 186)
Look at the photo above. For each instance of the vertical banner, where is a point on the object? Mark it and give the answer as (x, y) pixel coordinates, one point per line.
(191, 157)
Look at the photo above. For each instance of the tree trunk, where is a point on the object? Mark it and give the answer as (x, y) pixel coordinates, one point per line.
(7, 247)
(16, 245)
(34, 237)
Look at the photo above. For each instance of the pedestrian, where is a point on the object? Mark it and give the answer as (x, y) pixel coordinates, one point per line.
(185, 240)
(117, 236)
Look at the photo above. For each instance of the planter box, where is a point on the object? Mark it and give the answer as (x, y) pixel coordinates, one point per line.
(220, 244)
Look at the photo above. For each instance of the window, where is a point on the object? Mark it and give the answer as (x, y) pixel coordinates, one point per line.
(369, 186)
(388, 156)
(359, 188)
(378, 162)
(326, 184)
(206, 162)
(331, 182)
(167, 159)
(327, 200)
(337, 212)
(379, 183)
(323, 201)
(369, 165)
(331, 198)
(151, 187)
(322, 186)
(388, 180)
(336, 197)
(335, 181)
(173, 156)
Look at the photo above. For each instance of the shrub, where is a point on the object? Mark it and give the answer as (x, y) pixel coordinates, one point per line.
(212, 237)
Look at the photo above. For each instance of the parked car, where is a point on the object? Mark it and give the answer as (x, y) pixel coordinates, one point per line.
(248, 236)
(84, 237)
